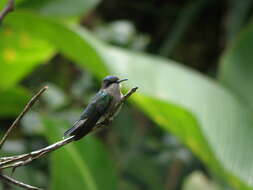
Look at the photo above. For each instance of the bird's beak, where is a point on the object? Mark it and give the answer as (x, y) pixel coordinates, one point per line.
(122, 80)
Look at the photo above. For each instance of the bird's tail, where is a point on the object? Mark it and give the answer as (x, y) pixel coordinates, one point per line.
(83, 126)
(76, 125)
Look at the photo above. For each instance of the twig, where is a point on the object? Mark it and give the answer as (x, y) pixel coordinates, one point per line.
(128, 94)
(21, 115)
(10, 180)
(9, 7)
(16, 161)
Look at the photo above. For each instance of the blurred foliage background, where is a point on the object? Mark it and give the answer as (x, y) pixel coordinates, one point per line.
(189, 126)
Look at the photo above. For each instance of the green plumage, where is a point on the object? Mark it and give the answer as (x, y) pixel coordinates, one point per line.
(90, 116)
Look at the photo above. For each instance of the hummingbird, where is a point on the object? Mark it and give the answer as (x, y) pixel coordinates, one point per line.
(102, 105)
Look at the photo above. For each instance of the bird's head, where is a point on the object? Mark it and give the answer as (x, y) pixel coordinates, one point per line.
(107, 81)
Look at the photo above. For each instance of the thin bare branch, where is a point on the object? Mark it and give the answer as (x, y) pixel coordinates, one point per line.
(16, 161)
(12, 181)
(9, 8)
(128, 94)
(21, 115)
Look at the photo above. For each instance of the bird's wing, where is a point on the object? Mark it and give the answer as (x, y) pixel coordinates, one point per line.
(76, 125)
(91, 114)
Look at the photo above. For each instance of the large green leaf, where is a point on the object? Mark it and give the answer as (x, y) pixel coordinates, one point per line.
(206, 117)
(20, 52)
(79, 165)
(23, 47)
(70, 43)
(236, 70)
